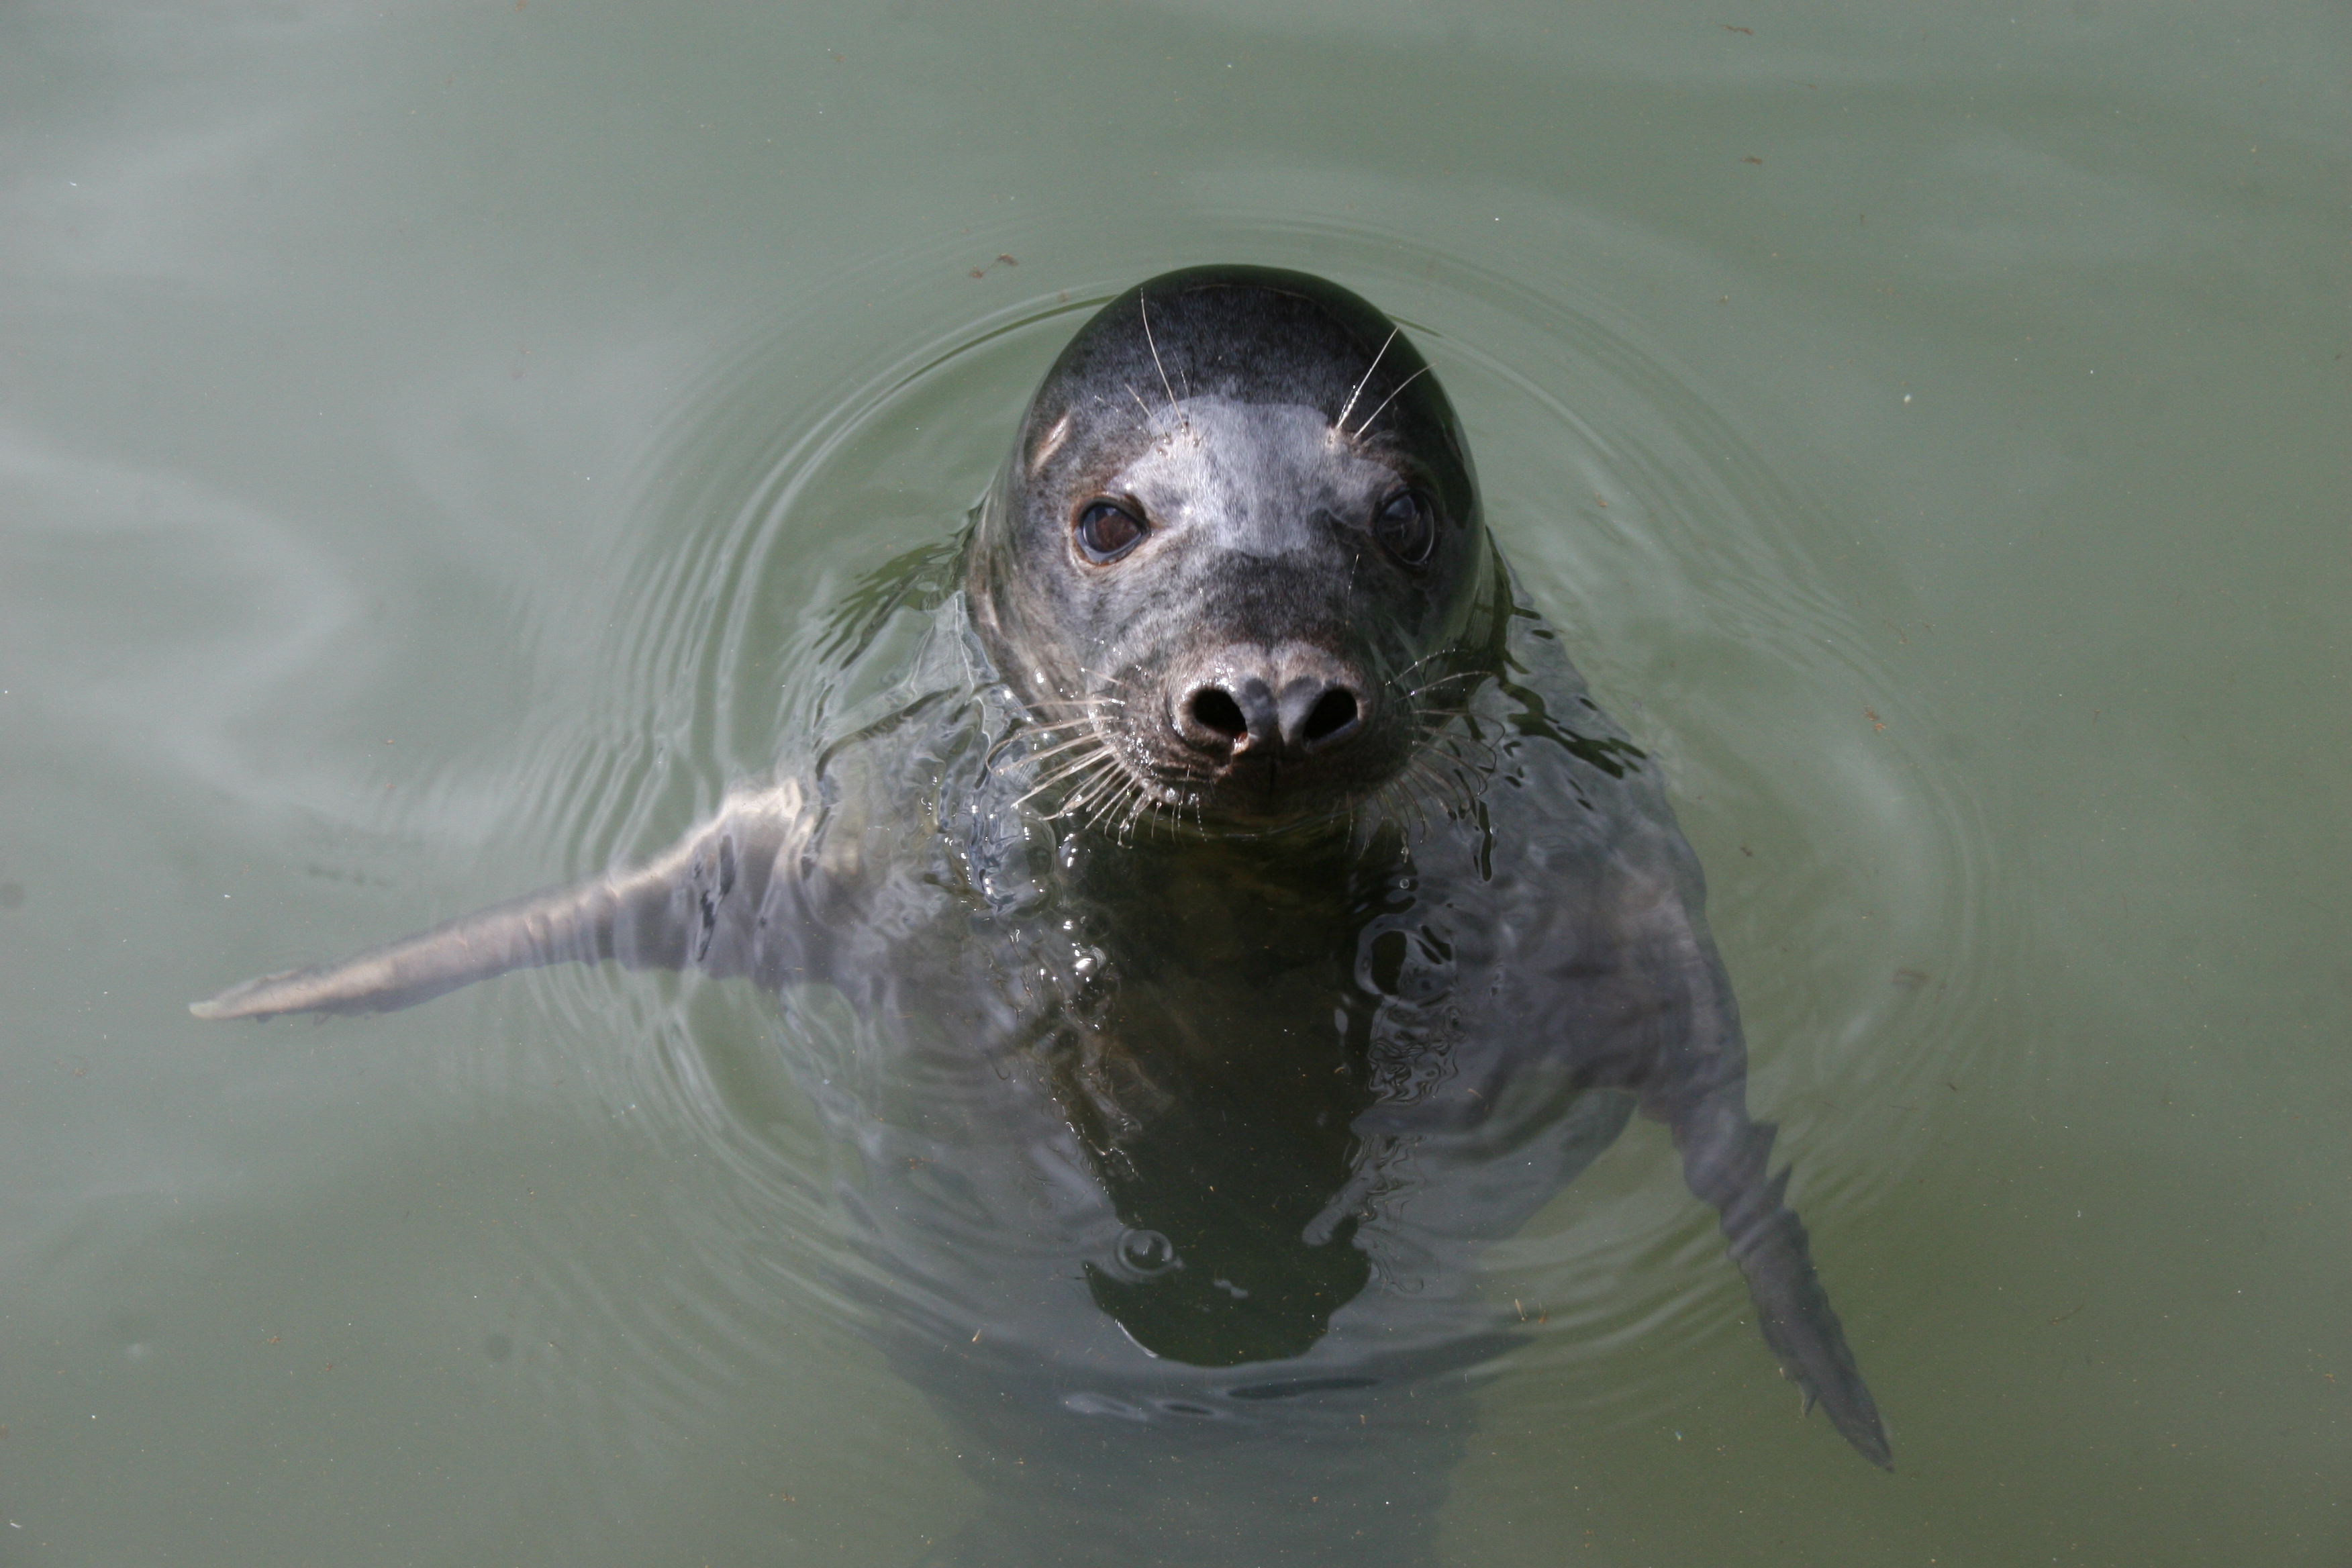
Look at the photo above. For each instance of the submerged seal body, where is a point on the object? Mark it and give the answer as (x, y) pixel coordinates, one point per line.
(1247, 913)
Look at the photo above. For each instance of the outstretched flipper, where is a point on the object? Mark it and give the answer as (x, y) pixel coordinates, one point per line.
(1725, 1156)
(728, 898)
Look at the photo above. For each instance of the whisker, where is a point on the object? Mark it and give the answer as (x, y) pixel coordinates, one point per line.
(1062, 776)
(1392, 397)
(1088, 739)
(1341, 424)
(1432, 794)
(1455, 791)
(1110, 803)
(1486, 759)
(1032, 733)
(1391, 798)
(1064, 747)
(1143, 304)
(1067, 771)
(1096, 790)
(1143, 799)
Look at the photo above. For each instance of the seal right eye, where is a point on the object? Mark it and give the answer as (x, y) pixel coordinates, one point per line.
(1406, 527)
(1107, 530)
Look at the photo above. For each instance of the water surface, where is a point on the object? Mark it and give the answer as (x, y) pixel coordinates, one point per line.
(430, 442)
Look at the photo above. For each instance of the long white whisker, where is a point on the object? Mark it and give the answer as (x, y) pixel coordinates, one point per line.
(1072, 804)
(1144, 305)
(1063, 775)
(1066, 772)
(1341, 424)
(1064, 767)
(1089, 738)
(1392, 397)
(1110, 803)
(1036, 735)
(1094, 790)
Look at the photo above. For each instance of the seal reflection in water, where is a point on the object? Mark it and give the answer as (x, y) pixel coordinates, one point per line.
(1247, 913)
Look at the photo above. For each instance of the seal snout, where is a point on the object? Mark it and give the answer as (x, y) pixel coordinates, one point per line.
(1280, 704)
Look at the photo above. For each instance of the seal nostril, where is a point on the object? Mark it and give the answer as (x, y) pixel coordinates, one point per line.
(1333, 713)
(1215, 709)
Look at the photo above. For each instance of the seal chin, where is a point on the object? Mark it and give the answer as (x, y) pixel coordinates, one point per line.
(1254, 806)
(1256, 789)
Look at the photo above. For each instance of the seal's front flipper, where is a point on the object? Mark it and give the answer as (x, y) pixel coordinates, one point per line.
(726, 898)
(1724, 1159)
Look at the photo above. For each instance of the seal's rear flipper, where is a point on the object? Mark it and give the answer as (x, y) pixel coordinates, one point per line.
(712, 901)
(1724, 1159)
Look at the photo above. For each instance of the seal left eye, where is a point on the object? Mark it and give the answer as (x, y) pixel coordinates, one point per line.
(1407, 527)
(1107, 530)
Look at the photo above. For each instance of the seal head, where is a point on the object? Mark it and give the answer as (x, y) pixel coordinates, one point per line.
(1235, 561)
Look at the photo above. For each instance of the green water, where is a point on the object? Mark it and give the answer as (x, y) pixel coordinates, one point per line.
(428, 440)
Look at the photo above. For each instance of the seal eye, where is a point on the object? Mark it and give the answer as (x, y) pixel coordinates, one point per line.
(1107, 530)
(1406, 527)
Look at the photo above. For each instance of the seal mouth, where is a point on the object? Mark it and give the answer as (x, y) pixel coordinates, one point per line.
(1204, 769)
(1097, 767)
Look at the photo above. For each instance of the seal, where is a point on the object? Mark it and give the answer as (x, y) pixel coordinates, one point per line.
(1251, 914)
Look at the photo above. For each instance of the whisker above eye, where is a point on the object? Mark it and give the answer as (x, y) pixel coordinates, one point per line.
(1392, 397)
(1341, 424)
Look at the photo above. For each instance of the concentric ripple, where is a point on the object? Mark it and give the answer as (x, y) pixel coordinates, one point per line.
(1733, 620)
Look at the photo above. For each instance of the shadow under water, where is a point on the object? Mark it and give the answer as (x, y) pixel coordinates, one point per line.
(1260, 1201)
(1196, 1262)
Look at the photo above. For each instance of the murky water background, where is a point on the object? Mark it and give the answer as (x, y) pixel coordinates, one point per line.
(430, 441)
